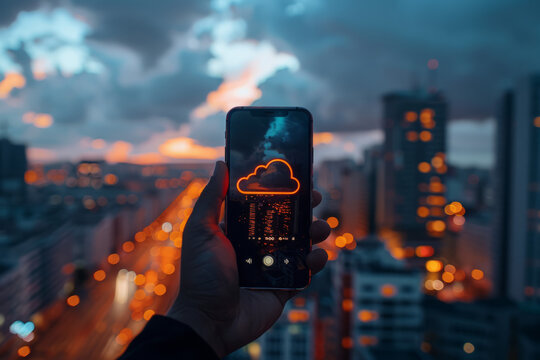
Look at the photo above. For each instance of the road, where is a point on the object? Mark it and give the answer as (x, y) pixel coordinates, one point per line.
(112, 311)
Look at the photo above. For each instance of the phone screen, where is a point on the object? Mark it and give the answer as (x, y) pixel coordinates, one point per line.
(268, 209)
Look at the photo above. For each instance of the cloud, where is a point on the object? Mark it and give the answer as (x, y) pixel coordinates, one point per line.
(11, 8)
(40, 155)
(119, 152)
(350, 144)
(244, 65)
(161, 60)
(471, 143)
(187, 148)
(274, 178)
(360, 50)
(149, 159)
(38, 120)
(145, 27)
(10, 82)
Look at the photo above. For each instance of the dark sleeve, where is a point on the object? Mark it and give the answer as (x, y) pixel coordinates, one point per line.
(164, 338)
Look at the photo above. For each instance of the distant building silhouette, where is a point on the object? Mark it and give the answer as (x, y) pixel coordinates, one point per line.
(519, 193)
(13, 166)
(503, 175)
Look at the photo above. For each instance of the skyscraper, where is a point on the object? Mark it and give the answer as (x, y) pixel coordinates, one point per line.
(519, 248)
(412, 181)
(502, 178)
(12, 168)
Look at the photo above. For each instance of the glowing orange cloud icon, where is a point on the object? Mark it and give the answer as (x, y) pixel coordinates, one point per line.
(274, 178)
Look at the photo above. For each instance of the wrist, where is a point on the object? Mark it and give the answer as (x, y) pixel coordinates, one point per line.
(202, 324)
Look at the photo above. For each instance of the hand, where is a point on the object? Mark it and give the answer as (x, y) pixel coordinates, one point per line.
(210, 300)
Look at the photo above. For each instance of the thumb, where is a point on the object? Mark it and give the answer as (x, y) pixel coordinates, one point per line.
(208, 206)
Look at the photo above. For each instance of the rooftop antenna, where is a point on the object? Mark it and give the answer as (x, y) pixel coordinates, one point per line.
(433, 65)
(415, 84)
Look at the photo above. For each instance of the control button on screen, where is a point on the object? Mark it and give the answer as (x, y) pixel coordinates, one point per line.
(268, 260)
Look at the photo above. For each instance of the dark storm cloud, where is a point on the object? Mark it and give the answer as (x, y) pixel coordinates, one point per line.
(11, 8)
(172, 95)
(146, 27)
(350, 52)
(361, 50)
(78, 94)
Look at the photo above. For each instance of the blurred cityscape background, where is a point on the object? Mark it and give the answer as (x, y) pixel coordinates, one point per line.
(427, 152)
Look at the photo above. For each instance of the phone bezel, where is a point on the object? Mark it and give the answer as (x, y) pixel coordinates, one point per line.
(271, 111)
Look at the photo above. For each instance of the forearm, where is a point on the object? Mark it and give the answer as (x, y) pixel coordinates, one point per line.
(202, 325)
(166, 338)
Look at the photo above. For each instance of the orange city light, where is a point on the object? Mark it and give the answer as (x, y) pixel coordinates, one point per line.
(148, 314)
(367, 315)
(298, 315)
(340, 241)
(139, 280)
(411, 116)
(113, 259)
(160, 289)
(124, 336)
(333, 222)
(128, 246)
(347, 305)
(424, 251)
(477, 274)
(424, 167)
(388, 290)
(263, 192)
(434, 265)
(367, 340)
(347, 342)
(100, 275)
(425, 136)
(73, 300)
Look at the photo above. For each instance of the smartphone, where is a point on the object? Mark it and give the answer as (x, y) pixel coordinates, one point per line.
(269, 152)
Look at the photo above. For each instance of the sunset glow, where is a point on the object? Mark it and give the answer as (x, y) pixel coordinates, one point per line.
(38, 120)
(119, 152)
(231, 93)
(187, 148)
(322, 138)
(11, 81)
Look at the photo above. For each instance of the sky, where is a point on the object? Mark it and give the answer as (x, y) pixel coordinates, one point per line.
(150, 82)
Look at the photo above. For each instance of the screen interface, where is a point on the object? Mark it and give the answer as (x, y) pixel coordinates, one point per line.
(268, 208)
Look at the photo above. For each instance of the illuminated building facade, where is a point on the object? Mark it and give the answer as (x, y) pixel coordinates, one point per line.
(384, 302)
(519, 244)
(413, 178)
(474, 247)
(476, 330)
(292, 337)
